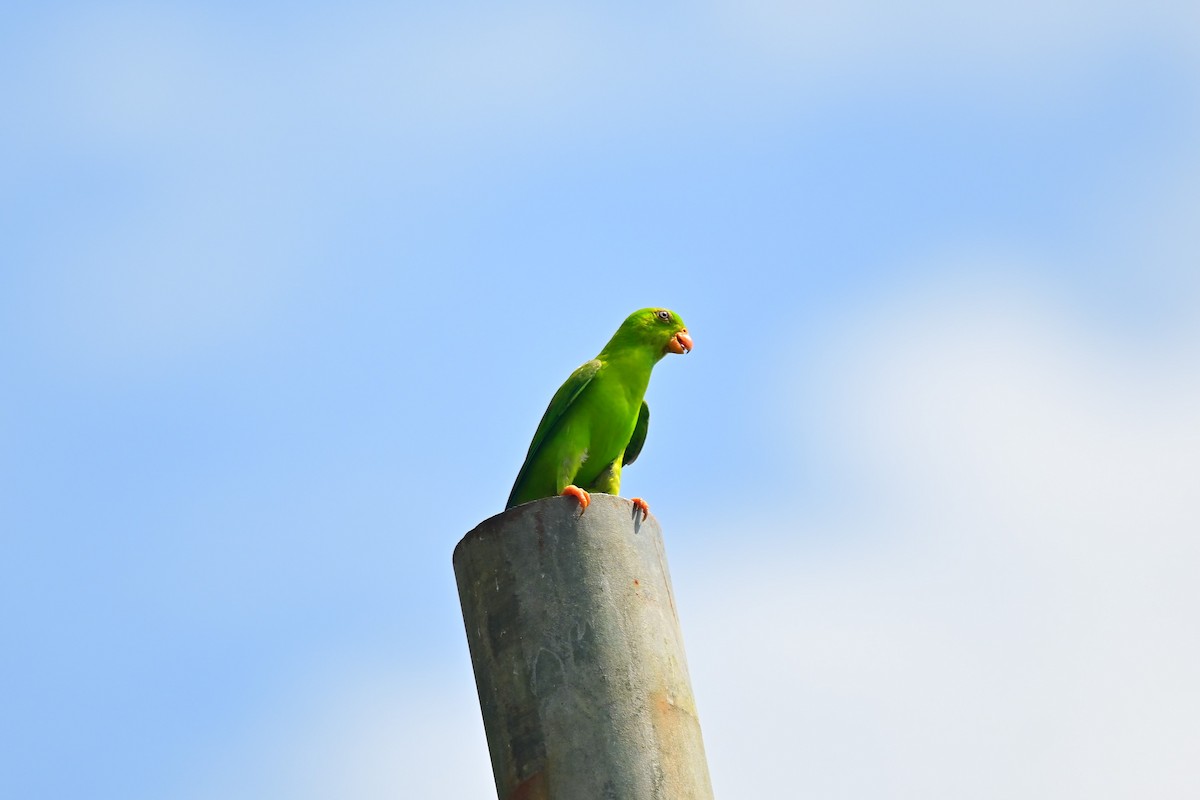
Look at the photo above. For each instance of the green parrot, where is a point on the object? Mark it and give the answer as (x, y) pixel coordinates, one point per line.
(596, 422)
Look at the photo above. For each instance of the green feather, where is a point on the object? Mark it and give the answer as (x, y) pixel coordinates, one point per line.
(634, 448)
(597, 420)
(562, 400)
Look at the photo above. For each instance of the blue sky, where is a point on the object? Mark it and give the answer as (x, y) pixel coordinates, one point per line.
(285, 291)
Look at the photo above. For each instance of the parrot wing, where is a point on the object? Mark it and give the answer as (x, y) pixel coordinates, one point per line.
(566, 395)
(639, 436)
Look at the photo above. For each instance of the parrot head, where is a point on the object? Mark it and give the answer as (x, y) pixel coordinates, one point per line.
(658, 329)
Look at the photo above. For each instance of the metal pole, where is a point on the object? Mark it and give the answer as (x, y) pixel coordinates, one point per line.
(578, 655)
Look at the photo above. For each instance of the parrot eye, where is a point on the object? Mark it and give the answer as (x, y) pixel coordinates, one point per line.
(665, 316)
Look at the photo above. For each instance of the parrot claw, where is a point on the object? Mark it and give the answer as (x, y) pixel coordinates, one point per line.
(583, 497)
(641, 505)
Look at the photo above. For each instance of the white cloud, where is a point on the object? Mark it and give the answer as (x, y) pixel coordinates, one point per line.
(1009, 610)
(389, 86)
(228, 143)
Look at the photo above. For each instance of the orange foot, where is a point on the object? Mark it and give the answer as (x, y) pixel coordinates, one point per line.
(642, 506)
(583, 497)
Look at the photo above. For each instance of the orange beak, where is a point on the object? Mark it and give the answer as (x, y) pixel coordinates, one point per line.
(681, 343)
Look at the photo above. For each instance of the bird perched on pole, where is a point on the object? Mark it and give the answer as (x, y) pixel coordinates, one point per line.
(596, 422)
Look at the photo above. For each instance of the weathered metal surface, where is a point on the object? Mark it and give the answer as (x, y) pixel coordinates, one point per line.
(578, 655)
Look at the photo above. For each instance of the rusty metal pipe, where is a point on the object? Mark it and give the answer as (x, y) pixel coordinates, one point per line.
(578, 655)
